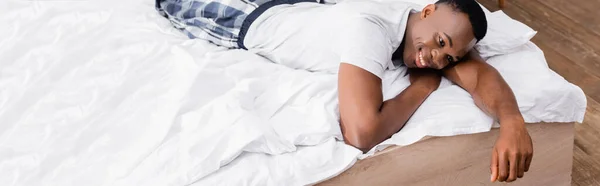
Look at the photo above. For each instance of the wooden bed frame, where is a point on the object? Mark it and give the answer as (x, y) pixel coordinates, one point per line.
(464, 160)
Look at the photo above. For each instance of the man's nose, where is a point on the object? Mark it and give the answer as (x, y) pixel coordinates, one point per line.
(435, 58)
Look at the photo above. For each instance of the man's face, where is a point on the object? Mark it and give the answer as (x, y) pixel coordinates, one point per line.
(441, 36)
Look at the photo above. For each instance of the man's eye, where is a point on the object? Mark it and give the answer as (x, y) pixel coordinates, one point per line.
(450, 60)
(442, 43)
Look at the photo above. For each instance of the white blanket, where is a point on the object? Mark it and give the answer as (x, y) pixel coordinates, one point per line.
(107, 93)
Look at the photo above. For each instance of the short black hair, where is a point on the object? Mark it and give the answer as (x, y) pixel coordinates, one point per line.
(475, 13)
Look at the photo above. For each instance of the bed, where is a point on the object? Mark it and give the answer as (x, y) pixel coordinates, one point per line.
(464, 160)
(98, 93)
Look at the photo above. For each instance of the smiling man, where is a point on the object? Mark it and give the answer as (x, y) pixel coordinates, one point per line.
(360, 40)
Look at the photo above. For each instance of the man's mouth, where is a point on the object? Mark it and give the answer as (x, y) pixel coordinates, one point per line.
(420, 61)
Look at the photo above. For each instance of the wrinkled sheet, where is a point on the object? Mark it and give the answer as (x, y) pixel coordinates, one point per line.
(107, 93)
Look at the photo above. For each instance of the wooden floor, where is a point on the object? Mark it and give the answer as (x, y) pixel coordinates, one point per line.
(569, 35)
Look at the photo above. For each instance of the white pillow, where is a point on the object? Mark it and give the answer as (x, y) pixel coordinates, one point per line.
(504, 35)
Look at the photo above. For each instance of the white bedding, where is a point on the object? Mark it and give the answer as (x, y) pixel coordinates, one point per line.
(107, 93)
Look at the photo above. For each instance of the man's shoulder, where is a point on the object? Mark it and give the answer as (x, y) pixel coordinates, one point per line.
(369, 5)
(357, 10)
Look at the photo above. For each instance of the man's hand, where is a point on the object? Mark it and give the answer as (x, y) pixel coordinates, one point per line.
(513, 150)
(428, 78)
(512, 153)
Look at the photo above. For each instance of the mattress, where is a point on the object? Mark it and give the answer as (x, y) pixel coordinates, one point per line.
(108, 93)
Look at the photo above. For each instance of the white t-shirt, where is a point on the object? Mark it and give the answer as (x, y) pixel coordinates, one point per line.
(317, 37)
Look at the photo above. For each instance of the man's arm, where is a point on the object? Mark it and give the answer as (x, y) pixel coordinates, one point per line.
(364, 118)
(513, 150)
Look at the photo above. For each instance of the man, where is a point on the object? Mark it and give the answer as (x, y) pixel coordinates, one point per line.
(361, 39)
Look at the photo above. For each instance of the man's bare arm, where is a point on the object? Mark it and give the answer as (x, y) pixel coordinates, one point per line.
(513, 150)
(364, 118)
(488, 88)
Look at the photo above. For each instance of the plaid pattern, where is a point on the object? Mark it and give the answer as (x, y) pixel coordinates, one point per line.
(218, 21)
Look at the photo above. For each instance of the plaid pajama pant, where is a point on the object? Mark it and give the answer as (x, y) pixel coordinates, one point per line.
(218, 21)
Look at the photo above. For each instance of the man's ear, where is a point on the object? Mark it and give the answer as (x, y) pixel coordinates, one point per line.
(428, 10)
